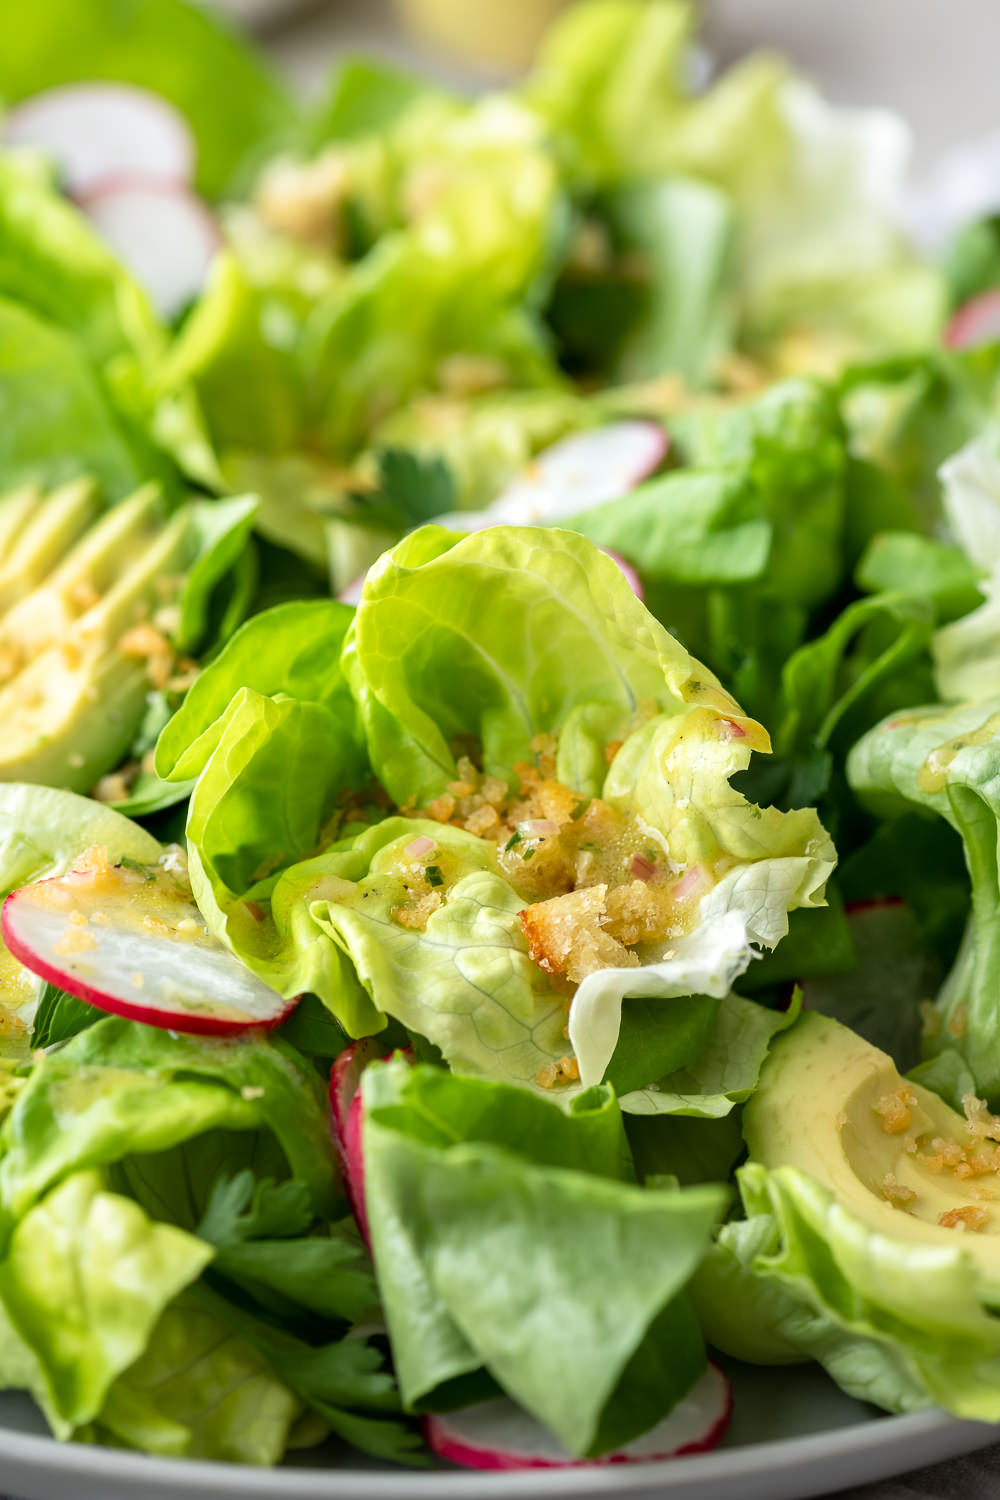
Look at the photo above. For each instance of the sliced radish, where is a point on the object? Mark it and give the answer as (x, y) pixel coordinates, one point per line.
(137, 948)
(580, 472)
(574, 475)
(165, 236)
(98, 130)
(346, 1113)
(352, 593)
(345, 1108)
(976, 322)
(499, 1435)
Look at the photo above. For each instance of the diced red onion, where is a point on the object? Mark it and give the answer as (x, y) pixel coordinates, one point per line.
(539, 828)
(420, 848)
(688, 882)
(641, 868)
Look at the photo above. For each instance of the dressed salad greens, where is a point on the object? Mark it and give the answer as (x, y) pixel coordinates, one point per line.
(455, 1017)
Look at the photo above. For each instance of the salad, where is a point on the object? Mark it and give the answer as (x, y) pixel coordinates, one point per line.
(500, 687)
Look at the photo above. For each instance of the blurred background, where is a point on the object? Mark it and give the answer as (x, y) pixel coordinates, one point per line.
(933, 62)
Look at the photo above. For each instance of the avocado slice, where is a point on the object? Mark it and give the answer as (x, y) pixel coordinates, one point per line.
(45, 531)
(895, 1155)
(80, 652)
(16, 509)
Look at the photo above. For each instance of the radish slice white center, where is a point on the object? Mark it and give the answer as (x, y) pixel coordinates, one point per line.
(152, 960)
(96, 130)
(164, 235)
(499, 1435)
(574, 475)
(580, 472)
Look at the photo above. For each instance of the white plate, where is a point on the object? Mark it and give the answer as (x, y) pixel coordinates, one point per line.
(793, 1435)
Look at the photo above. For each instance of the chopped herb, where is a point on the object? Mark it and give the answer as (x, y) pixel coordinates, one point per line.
(528, 854)
(433, 873)
(512, 842)
(580, 809)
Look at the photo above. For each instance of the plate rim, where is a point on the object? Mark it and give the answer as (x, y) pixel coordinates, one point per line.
(909, 1434)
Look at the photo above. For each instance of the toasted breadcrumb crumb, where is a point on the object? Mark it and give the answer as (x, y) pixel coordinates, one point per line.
(981, 1124)
(896, 1110)
(896, 1192)
(971, 1218)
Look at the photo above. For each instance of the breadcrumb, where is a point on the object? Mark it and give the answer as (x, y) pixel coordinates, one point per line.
(896, 1110)
(971, 1218)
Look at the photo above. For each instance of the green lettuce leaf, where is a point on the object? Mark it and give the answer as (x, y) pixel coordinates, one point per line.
(84, 1279)
(55, 266)
(608, 79)
(725, 1071)
(43, 830)
(820, 261)
(66, 424)
(791, 442)
(425, 669)
(434, 1189)
(893, 1322)
(660, 296)
(943, 758)
(200, 1390)
(966, 650)
(121, 1090)
(291, 649)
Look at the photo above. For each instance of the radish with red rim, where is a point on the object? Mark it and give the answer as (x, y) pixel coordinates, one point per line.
(145, 956)
(580, 472)
(345, 1111)
(164, 235)
(347, 1118)
(499, 1435)
(976, 322)
(574, 475)
(97, 130)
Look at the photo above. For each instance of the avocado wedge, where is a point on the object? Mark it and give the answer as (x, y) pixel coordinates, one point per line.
(892, 1153)
(93, 605)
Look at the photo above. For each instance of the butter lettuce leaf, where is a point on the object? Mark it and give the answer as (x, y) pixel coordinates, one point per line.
(83, 1281)
(967, 650)
(291, 649)
(200, 1390)
(897, 1323)
(943, 757)
(121, 1089)
(500, 637)
(724, 1072)
(468, 1219)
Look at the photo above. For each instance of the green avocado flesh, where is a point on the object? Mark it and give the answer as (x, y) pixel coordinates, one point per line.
(74, 580)
(892, 1153)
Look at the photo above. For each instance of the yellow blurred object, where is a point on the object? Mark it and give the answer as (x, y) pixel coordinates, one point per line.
(497, 36)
